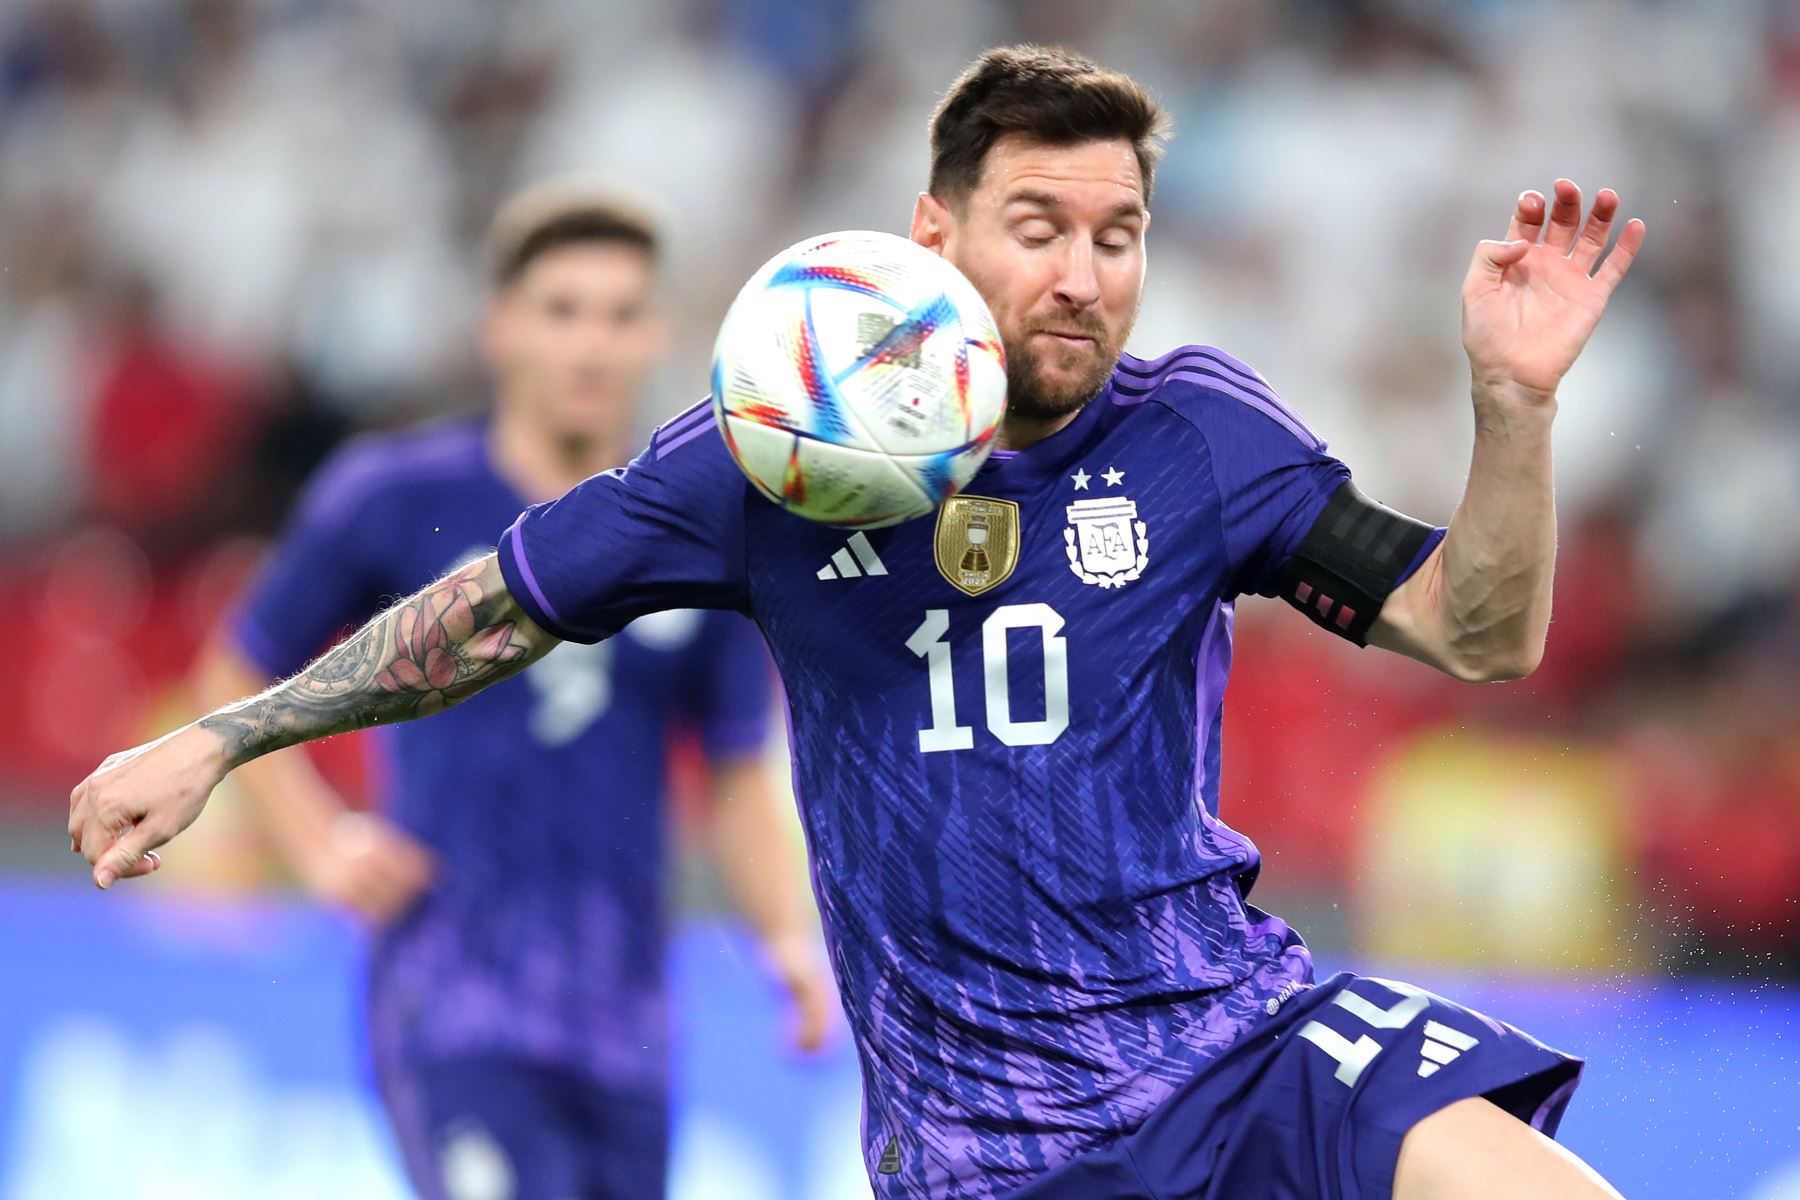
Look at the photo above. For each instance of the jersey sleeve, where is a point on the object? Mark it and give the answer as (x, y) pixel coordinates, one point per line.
(1294, 524)
(1274, 477)
(730, 690)
(318, 578)
(666, 531)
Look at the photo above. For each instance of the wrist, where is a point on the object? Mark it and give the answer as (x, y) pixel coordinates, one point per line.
(1507, 409)
(1500, 392)
(234, 737)
(212, 746)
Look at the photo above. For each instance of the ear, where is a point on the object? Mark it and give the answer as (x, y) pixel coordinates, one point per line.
(930, 223)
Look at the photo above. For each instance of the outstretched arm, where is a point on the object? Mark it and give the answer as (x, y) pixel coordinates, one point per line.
(429, 651)
(1478, 608)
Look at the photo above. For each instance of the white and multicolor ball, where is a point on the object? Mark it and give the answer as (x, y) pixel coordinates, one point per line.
(859, 379)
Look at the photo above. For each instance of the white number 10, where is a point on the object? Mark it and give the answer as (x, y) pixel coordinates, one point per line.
(930, 643)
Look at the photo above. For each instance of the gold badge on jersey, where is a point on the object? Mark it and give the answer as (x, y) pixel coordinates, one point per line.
(977, 542)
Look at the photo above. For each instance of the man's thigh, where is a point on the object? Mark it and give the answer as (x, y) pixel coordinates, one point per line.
(1472, 1150)
(1316, 1104)
(1379, 1057)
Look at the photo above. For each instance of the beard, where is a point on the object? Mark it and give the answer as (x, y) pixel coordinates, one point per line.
(1031, 395)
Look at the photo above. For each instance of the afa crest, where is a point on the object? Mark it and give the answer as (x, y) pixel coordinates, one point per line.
(1108, 546)
(977, 542)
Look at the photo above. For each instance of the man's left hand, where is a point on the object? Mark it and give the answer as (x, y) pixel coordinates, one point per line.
(800, 966)
(1531, 301)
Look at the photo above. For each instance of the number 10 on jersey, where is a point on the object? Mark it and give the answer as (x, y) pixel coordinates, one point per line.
(931, 642)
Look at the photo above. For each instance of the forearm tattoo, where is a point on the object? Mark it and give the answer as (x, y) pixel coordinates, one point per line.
(424, 654)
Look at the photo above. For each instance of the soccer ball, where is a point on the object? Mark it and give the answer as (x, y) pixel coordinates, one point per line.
(859, 379)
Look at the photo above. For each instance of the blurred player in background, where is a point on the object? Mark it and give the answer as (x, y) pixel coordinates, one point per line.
(516, 876)
(1009, 770)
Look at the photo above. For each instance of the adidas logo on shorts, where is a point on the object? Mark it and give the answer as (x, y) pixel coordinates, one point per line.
(844, 566)
(1443, 1046)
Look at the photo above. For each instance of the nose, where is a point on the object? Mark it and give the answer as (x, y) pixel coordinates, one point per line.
(1077, 286)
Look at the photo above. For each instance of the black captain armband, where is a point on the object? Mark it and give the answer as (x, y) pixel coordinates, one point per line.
(1351, 560)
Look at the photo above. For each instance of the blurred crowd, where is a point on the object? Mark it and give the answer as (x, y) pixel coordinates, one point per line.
(233, 232)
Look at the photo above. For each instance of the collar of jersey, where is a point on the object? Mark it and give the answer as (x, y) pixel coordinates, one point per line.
(1044, 461)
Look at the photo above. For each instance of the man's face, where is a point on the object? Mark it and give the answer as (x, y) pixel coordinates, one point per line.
(574, 335)
(1053, 238)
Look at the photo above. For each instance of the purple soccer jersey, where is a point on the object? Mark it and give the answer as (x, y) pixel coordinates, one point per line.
(1006, 736)
(541, 798)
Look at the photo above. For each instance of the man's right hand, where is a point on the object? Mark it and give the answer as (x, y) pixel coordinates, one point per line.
(369, 865)
(140, 798)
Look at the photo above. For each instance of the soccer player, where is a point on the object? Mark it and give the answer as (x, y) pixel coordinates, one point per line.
(1008, 761)
(516, 878)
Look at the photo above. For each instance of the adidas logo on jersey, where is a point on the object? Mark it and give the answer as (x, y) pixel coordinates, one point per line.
(845, 563)
(1443, 1046)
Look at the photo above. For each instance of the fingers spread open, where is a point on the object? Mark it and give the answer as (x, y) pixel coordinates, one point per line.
(1528, 218)
(1565, 216)
(1619, 261)
(1592, 241)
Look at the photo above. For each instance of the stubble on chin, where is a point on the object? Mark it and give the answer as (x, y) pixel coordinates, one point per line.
(1029, 396)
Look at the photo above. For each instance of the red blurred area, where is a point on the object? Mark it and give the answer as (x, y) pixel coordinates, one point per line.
(108, 638)
(1676, 748)
(165, 420)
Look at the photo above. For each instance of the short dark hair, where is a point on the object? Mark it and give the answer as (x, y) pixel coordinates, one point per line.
(1046, 93)
(560, 213)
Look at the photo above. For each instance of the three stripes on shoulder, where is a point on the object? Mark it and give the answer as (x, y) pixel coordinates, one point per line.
(1443, 1046)
(845, 563)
